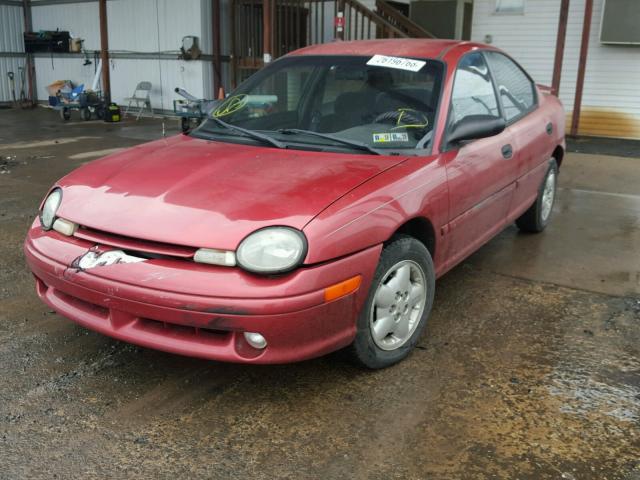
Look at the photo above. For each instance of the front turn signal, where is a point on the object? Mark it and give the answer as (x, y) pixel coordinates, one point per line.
(343, 288)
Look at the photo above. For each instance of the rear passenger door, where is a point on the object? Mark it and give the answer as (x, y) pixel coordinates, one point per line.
(529, 128)
(480, 173)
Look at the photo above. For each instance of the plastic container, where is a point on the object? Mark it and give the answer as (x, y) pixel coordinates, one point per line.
(112, 113)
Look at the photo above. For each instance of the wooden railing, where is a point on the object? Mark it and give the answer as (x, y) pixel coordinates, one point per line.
(400, 21)
(299, 23)
(361, 23)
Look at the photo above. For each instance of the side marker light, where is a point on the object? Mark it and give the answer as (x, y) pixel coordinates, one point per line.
(343, 288)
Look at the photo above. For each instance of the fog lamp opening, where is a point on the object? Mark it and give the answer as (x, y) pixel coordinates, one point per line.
(255, 340)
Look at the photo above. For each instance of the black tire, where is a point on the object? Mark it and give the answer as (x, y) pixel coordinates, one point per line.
(534, 220)
(364, 351)
(100, 112)
(85, 114)
(65, 114)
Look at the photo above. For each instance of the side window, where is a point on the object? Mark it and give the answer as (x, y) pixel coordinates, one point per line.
(509, 6)
(473, 92)
(515, 89)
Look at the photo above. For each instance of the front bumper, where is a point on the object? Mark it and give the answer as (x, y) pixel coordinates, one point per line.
(200, 310)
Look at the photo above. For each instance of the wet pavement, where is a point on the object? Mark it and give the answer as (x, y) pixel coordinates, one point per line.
(529, 367)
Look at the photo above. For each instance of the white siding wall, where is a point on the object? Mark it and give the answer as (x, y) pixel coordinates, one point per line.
(50, 69)
(11, 29)
(80, 19)
(611, 98)
(154, 26)
(140, 26)
(164, 76)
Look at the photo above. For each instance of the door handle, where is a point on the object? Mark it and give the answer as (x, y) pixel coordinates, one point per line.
(549, 128)
(507, 151)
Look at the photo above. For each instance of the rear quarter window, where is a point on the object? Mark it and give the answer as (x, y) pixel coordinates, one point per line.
(515, 89)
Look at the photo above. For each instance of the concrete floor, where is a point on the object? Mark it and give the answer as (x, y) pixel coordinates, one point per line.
(528, 369)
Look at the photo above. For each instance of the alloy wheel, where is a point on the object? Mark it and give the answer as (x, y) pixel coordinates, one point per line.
(548, 196)
(398, 305)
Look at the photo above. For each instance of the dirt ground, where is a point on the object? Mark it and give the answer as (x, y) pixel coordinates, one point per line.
(528, 369)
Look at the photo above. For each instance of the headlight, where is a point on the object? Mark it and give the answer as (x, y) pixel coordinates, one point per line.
(272, 250)
(49, 209)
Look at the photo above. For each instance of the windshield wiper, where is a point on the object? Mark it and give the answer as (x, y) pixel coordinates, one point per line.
(351, 143)
(249, 133)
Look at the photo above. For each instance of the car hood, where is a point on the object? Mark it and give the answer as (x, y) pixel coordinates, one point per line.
(200, 193)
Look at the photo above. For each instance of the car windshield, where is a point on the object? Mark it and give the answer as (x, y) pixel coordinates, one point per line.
(365, 104)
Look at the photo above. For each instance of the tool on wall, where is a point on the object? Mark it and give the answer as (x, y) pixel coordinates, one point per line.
(12, 85)
(23, 95)
(86, 60)
(190, 49)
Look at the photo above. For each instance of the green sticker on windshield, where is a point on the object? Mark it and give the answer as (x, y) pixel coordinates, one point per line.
(390, 137)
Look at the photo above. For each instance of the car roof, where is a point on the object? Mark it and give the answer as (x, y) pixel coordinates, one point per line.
(399, 47)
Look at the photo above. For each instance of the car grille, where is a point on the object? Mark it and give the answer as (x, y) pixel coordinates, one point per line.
(150, 248)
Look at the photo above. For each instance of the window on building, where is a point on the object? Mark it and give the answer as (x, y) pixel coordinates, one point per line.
(514, 87)
(510, 6)
(620, 22)
(473, 92)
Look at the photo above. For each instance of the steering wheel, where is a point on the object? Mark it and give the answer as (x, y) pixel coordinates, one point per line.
(403, 118)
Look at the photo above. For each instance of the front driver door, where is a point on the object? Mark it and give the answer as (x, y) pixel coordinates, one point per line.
(480, 173)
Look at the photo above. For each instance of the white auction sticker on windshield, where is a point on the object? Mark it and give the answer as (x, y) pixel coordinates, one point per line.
(396, 62)
(390, 137)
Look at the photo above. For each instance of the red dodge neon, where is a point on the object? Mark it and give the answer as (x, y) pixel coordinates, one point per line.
(312, 211)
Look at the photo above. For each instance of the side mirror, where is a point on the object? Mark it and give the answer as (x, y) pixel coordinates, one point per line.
(473, 127)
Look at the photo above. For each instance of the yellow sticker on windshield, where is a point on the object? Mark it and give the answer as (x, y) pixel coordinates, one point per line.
(231, 105)
(390, 137)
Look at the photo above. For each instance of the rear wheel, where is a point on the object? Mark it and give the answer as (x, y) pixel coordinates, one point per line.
(85, 114)
(65, 114)
(537, 217)
(398, 304)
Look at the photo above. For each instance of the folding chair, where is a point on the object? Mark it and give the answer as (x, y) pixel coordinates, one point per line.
(141, 98)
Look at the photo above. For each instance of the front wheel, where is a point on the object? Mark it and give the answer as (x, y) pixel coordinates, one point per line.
(537, 217)
(398, 304)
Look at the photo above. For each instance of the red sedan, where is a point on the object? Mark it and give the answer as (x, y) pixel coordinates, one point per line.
(312, 211)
